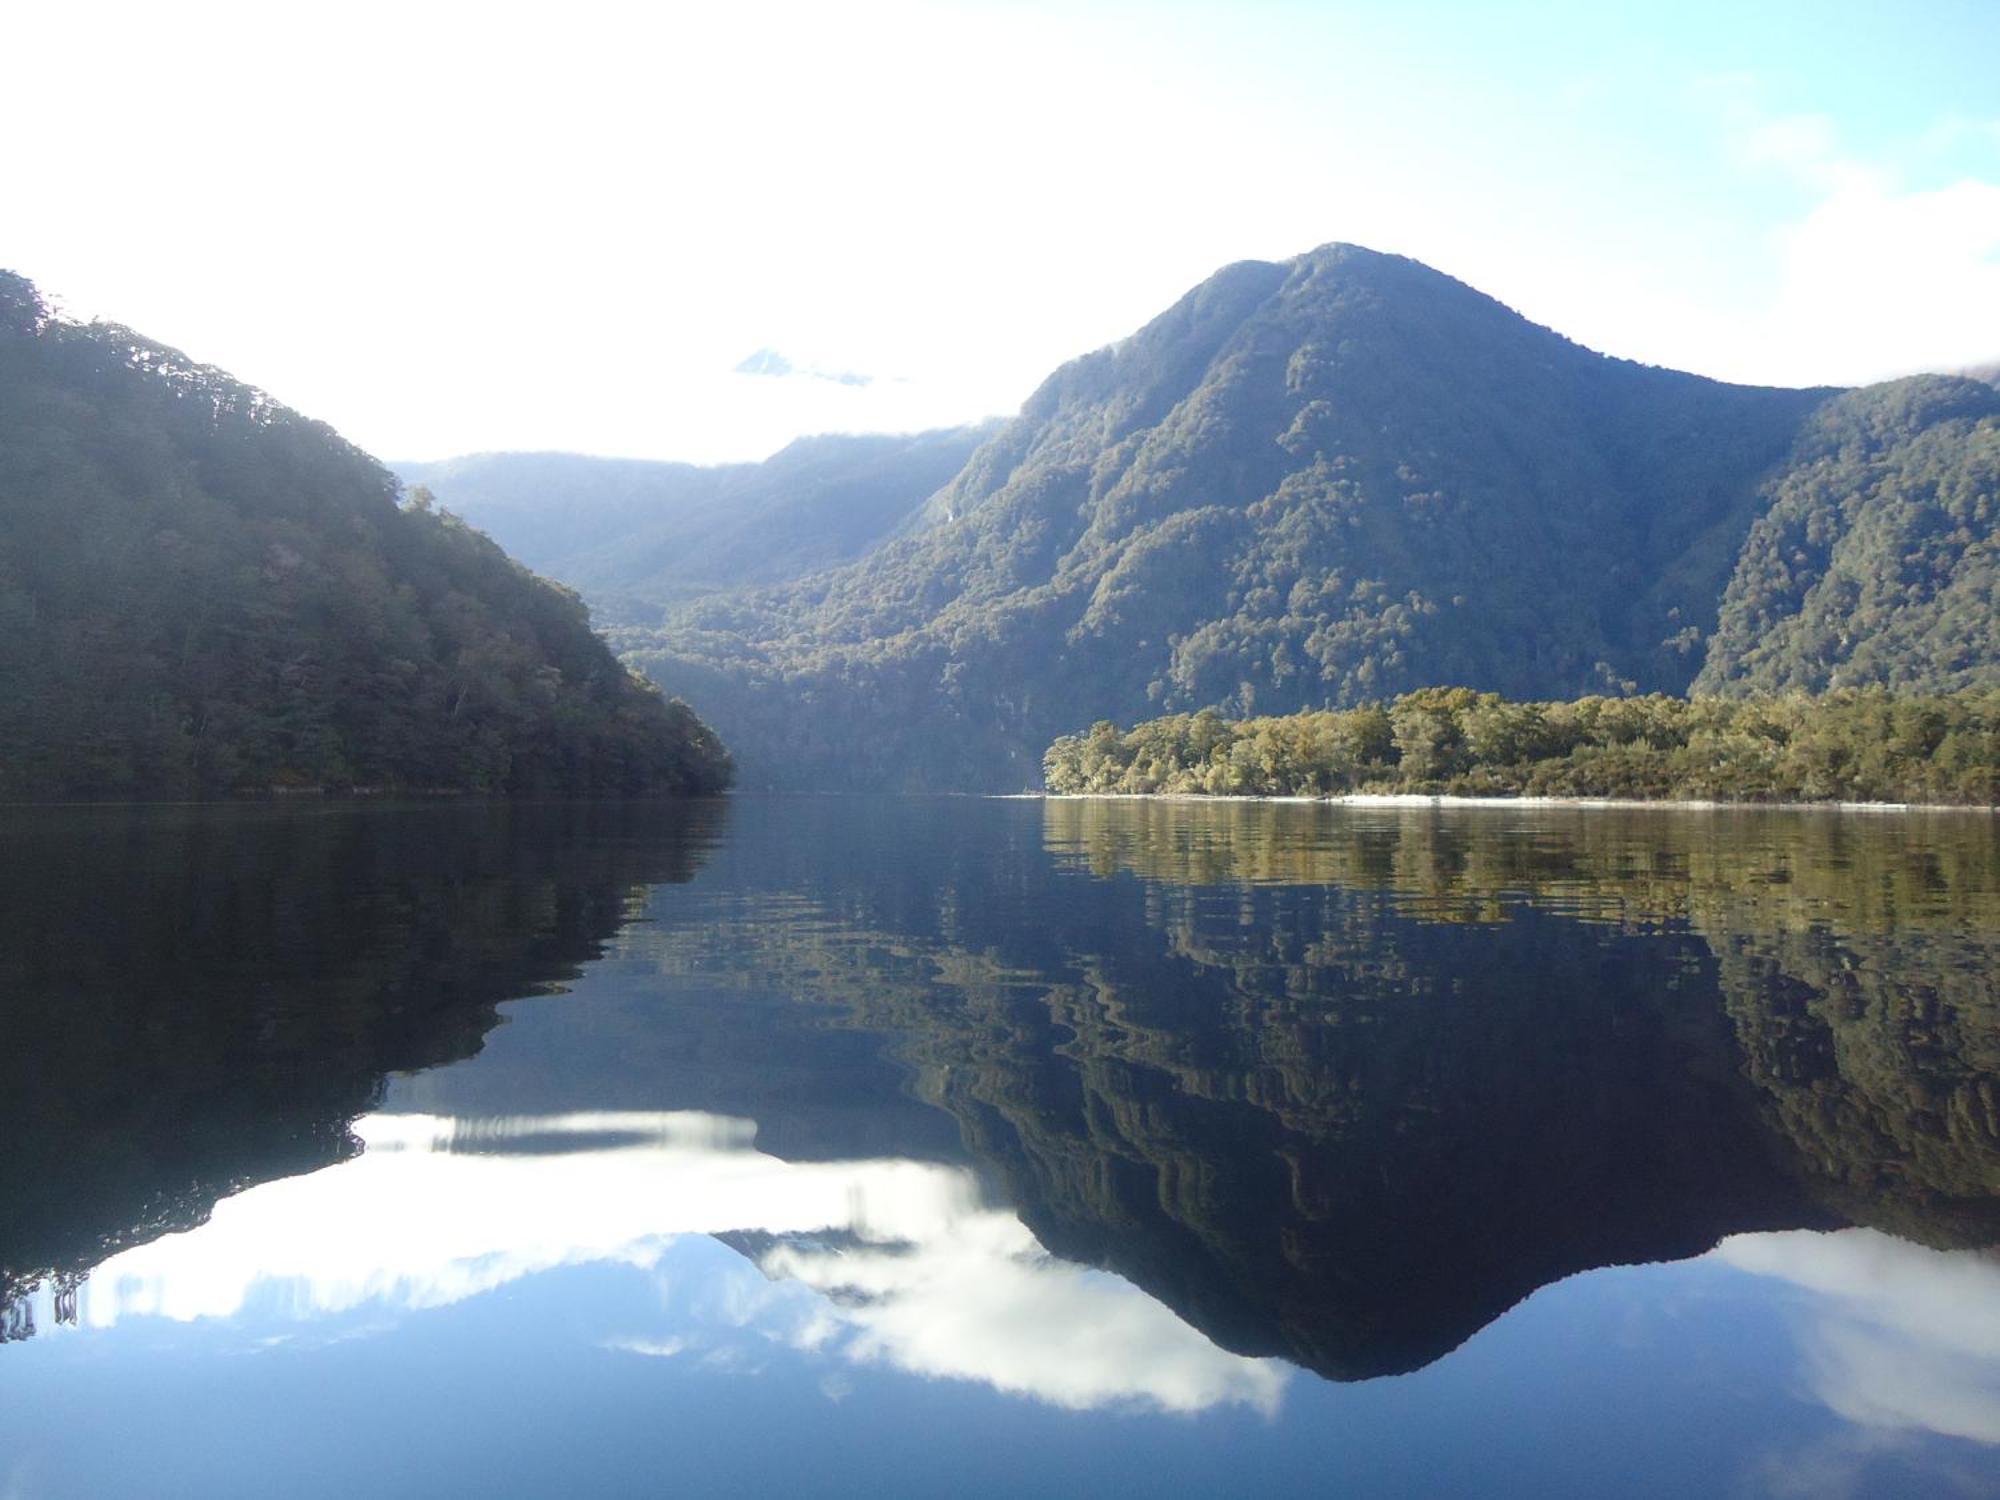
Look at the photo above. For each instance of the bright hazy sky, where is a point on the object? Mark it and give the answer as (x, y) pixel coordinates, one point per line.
(451, 229)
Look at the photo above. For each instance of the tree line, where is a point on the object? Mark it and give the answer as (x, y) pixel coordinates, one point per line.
(1861, 745)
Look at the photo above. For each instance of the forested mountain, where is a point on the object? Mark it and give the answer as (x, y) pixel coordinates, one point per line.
(204, 592)
(1876, 560)
(1327, 482)
(634, 535)
(1323, 481)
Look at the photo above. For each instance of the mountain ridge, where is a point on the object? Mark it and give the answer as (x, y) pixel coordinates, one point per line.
(638, 535)
(1307, 483)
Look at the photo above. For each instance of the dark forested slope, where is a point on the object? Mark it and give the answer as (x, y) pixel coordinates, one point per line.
(1878, 560)
(1318, 482)
(202, 591)
(633, 535)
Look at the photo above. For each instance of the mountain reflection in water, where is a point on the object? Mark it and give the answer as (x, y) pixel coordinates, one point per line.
(1101, 1103)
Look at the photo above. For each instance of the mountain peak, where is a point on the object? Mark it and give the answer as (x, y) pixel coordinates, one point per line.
(1313, 482)
(1343, 477)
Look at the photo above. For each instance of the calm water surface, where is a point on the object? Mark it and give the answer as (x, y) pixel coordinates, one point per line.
(927, 1147)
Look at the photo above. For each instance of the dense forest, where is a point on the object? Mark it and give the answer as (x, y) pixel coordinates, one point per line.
(1848, 745)
(203, 592)
(1346, 477)
(1875, 561)
(635, 535)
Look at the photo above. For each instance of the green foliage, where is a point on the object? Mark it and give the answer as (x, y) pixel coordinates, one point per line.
(1859, 745)
(1307, 485)
(203, 592)
(1876, 562)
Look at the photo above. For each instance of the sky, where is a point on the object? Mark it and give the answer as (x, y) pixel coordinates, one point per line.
(450, 229)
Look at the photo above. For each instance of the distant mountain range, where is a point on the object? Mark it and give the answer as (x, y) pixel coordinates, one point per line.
(1329, 481)
(635, 535)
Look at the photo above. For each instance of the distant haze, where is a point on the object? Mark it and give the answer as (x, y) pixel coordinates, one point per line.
(698, 232)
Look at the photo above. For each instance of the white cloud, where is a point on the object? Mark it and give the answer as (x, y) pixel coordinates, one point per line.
(1900, 1337)
(929, 1279)
(447, 228)
(650, 1348)
(1879, 280)
(982, 1301)
(1805, 146)
(1877, 276)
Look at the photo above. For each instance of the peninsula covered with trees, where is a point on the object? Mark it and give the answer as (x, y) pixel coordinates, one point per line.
(204, 593)
(1851, 745)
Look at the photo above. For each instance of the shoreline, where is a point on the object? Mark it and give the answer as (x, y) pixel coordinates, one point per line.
(1444, 799)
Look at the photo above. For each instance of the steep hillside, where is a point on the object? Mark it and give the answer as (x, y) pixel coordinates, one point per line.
(634, 535)
(1877, 562)
(203, 592)
(1319, 482)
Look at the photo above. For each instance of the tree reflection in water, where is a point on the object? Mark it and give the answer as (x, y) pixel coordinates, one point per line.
(1333, 1086)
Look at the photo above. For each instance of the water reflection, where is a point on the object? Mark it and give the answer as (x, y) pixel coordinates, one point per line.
(1894, 1335)
(1853, 957)
(911, 1267)
(1107, 1105)
(1351, 1115)
(197, 998)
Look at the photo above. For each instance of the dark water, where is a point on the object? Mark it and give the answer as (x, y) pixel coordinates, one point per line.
(947, 1147)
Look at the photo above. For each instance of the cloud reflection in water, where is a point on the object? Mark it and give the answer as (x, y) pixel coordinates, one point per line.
(1899, 1337)
(908, 1266)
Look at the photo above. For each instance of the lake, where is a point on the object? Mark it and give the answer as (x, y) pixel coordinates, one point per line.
(998, 1147)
